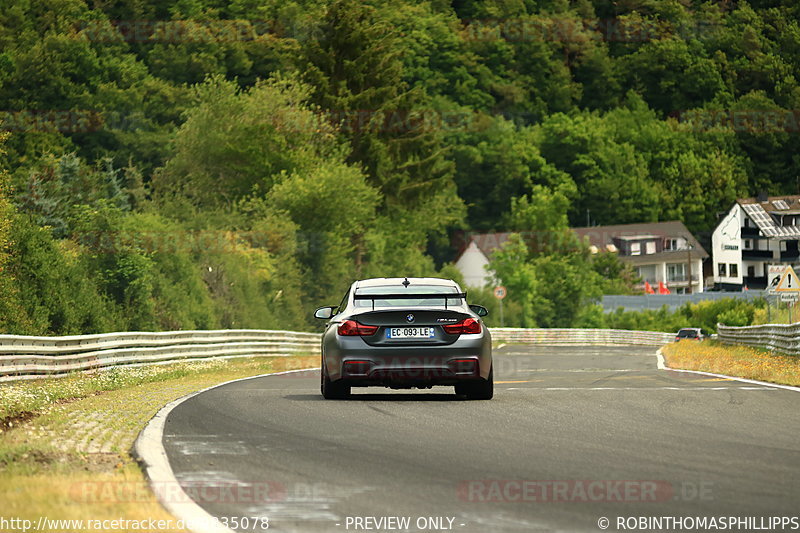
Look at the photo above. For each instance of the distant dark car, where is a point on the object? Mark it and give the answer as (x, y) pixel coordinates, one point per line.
(689, 334)
(403, 333)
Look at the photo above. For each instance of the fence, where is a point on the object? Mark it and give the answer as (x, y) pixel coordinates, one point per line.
(672, 301)
(23, 357)
(578, 337)
(781, 337)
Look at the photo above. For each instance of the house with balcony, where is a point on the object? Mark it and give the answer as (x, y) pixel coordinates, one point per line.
(755, 233)
(659, 252)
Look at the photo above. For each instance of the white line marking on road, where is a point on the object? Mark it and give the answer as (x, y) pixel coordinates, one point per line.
(660, 358)
(641, 388)
(585, 370)
(663, 366)
(149, 447)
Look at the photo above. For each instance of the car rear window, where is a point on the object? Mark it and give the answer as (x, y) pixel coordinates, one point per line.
(432, 301)
(687, 333)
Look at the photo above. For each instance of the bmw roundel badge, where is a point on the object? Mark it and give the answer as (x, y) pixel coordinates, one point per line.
(410, 317)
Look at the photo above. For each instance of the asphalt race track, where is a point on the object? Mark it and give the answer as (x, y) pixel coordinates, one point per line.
(572, 435)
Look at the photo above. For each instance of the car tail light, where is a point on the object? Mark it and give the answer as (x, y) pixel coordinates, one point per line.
(468, 325)
(351, 328)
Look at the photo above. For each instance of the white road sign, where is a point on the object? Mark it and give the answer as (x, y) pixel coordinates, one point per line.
(788, 297)
(774, 273)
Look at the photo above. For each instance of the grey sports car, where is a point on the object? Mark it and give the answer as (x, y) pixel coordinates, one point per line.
(403, 333)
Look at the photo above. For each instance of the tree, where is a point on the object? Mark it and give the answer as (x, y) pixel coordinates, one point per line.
(238, 142)
(511, 266)
(496, 162)
(674, 75)
(12, 315)
(611, 176)
(353, 64)
(333, 206)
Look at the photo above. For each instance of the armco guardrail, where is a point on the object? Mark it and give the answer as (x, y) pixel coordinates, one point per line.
(781, 337)
(577, 337)
(24, 357)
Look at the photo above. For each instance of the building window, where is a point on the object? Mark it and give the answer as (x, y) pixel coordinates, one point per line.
(676, 272)
(751, 272)
(746, 222)
(783, 246)
(647, 273)
(670, 244)
(650, 247)
(722, 270)
(748, 244)
(636, 248)
(734, 270)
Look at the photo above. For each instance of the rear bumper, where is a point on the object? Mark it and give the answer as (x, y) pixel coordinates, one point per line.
(350, 358)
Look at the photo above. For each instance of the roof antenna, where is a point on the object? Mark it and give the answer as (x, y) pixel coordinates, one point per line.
(406, 283)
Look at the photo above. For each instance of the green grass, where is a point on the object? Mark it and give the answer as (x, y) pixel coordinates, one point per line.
(62, 435)
(19, 398)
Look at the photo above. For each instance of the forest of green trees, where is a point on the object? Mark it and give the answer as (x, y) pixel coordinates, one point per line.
(235, 163)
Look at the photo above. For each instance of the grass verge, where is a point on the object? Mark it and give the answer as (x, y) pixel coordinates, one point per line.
(739, 361)
(64, 443)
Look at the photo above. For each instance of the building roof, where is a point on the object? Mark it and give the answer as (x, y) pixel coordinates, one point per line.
(762, 210)
(601, 237)
(488, 242)
(774, 204)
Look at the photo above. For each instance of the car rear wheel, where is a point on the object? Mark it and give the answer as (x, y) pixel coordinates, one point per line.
(483, 390)
(332, 390)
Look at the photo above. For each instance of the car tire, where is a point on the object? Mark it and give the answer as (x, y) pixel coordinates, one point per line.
(483, 390)
(332, 390)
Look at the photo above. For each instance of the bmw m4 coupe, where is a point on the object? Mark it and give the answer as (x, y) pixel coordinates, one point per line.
(404, 333)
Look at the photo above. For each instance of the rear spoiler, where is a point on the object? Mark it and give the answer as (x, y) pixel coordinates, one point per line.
(409, 296)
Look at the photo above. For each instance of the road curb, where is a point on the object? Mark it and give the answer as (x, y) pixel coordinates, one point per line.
(662, 365)
(149, 451)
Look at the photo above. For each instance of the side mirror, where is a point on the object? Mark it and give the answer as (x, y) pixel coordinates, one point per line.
(324, 313)
(479, 310)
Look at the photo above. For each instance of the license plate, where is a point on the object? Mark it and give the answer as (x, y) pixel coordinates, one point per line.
(409, 333)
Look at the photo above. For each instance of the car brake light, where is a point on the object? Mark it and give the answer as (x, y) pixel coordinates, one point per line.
(351, 327)
(468, 325)
(357, 368)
